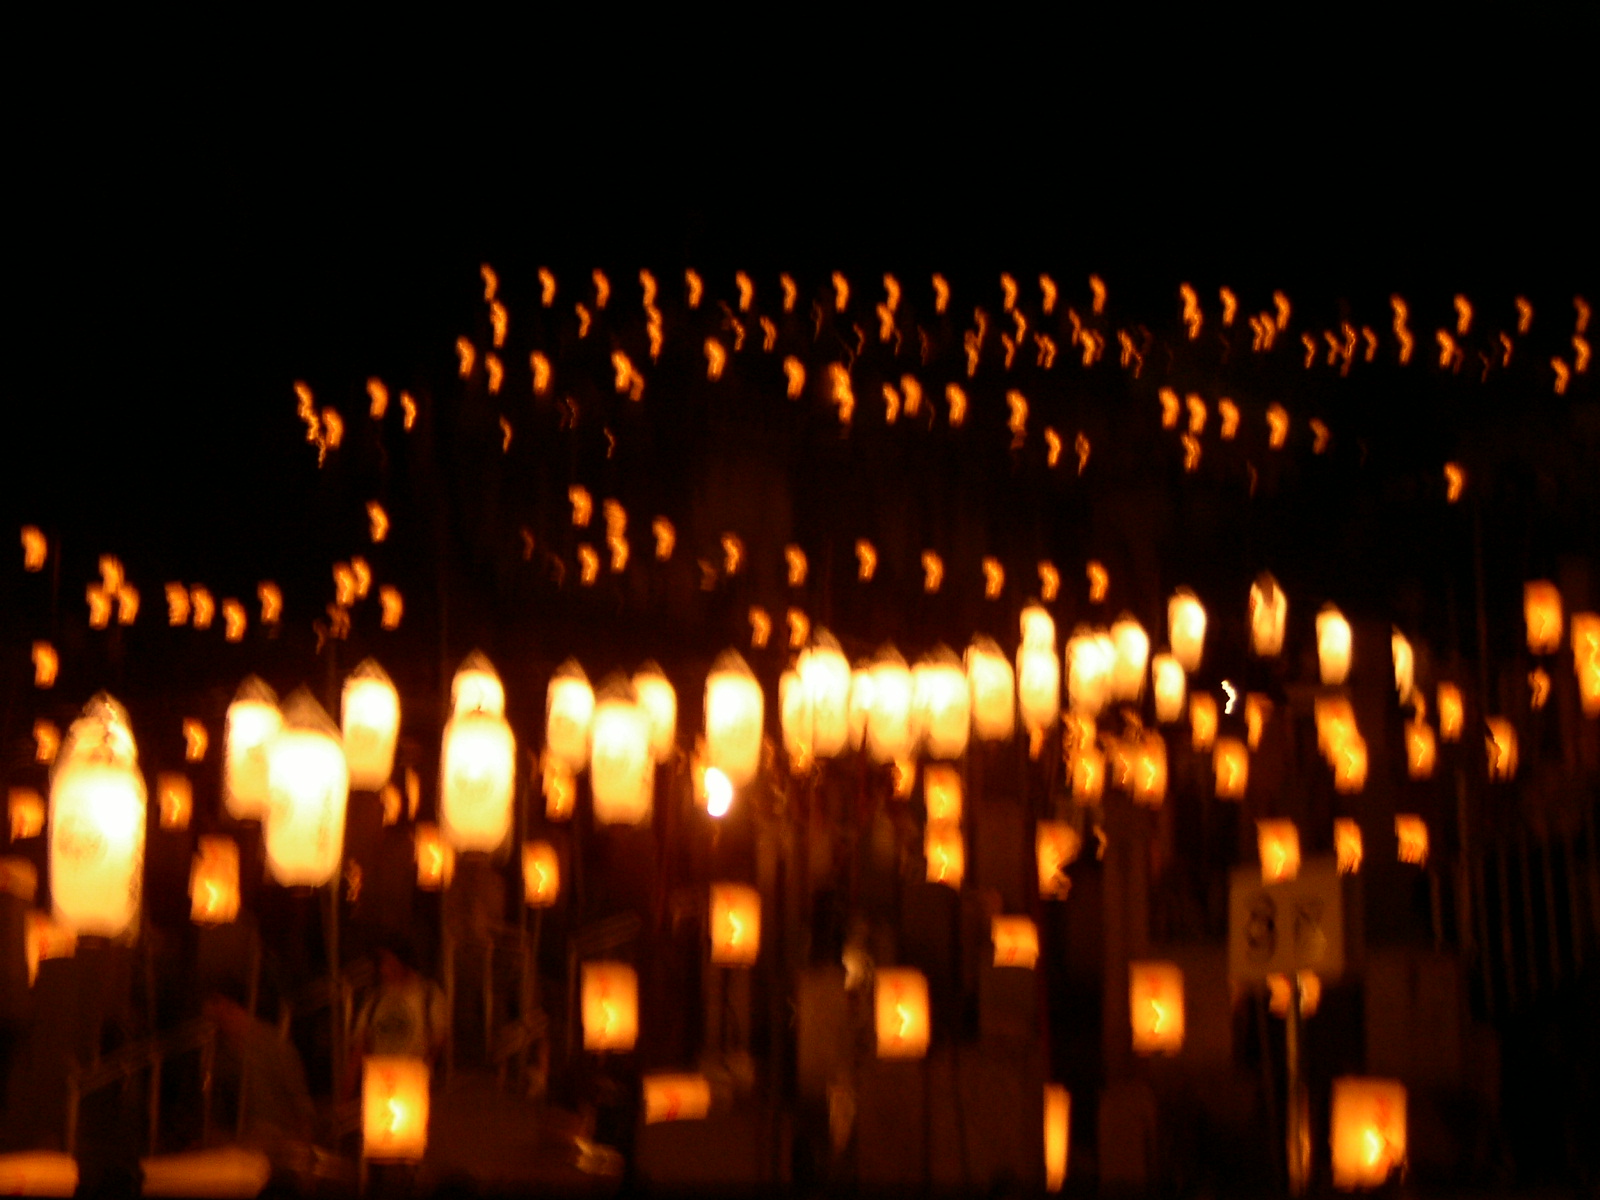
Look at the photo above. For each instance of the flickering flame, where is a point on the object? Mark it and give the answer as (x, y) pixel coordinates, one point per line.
(46, 741)
(716, 357)
(769, 336)
(583, 320)
(547, 287)
(177, 604)
(99, 606)
(891, 404)
(1191, 310)
(1524, 314)
(1052, 441)
(666, 537)
(1455, 479)
(541, 373)
(344, 585)
(957, 399)
(843, 396)
(588, 564)
(1412, 833)
(760, 626)
(1319, 436)
(389, 600)
(799, 628)
(1049, 581)
(1097, 289)
(867, 558)
(34, 548)
(1228, 412)
(602, 288)
(932, 571)
(719, 792)
(1347, 845)
(194, 740)
(994, 578)
(1581, 324)
(1580, 352)
(790, 292)
(1099, 581)
(1169, 408)
(1230, 306)
(1539, 686)
(1197, 413)
(1277, 426)
(1191, 452)
(362, 574)
(885, 322)
(45, 665)
(582, 505)
(204, 607)
(732, 554)
(465, 356)
(233, 620)
(496, 372)
(1401, 332)
(408, 411)
(1563, 373)
(1450, 712)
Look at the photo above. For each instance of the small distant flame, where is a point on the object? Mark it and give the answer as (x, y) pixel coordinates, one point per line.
(582, 505)
(799, 628)
(1277, 426)
(941, 294)
(389, 599)
(760, 627)
(841, 292)
(867, 558)
(1228, 411)
(1099, 581)
(34, 548)
(271, 602)
(233, 620)
(732, 553)
(204, 607)
(1049, 581)
(932, 572)
(379, 396)
(466, 355)
(957, 399)
(588, 564)
(666, 537)
(994, 578)
(796, 558)
(45, 665)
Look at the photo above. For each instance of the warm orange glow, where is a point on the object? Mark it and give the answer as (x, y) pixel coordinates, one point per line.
(389, 600)
(957, 399)
(1169, 408)
(675, 1097)
(901, 1012)
(541, 874)
(1562, 373)
(945, 851)
(45, 937)
(214, 882)
(1257, 710)
(233, 620)
(1155, 1002)
(1319, 436)
(735, 925)
(1541, 608)
(1347, 845)
(394, 1108)
(1333, 646)
(1581, 322)
(1099, 582)
(666, 538)
(19, 878)
(1349, 761)
(1455, 479)
(1087, 766)
(732, 553)
(1278, 994)
(1580, 354)
(436, 858)
(799, 627)
(99, 606)
(841, 392)
(994, 578)
(1420, 749)
(1057, 1135)
(1586, 660)
(45, 665)
(1412, 834)
(1230, 764)
(174, 799)
(1278, 845)
(1090, 658)
(1277, 426)
(1368, 1132)
(1170, 684)
(1450, 712)
(34, 548)
(1017, 422)
(1197, 413)
(1501, 743)
(1016, 942)
(1056, 846)
(1202, 720)
(25, 812)
(610, 1007)
(46, 741)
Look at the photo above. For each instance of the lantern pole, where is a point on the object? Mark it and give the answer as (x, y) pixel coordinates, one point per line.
(1299, 1135)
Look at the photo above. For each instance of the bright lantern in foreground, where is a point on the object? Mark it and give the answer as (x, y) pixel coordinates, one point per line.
(253, 721)
(1057, 1135)
(610, 1006)
(214, 882)
(824, 678)
(1090, 657)
(97, 824)
(1333, 646)
(569, 714)
(941, 705)
(621, 768)
(476, 687)
(1155, 1002)
(735, 925)
(1369, 1131)
(476, 781)
(308, 789)
(1130, 655)
(901, 1009)
(660, 703)
(1038, 670)
(394, 1108)
(890, 737)
(1541, 609)
(734, 714)
(992, 685)
(370, 711)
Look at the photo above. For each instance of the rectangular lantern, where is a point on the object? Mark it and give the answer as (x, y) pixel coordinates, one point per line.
(569, 713)
(734, 715)
(309, 790)
(214, 882)
(1586, 660)
(1541, 609)
(1170, 684)
(1405, 666)
(794, 720)
(25, 811)
(1421, 749)
(541, 874)
(621, 767)
(1038, 670)
(45, 937)
(889, 732)
(1130, 654)
(946, 852)
(1269, 610)
(901, 1009)
(941, 705)
(1230, 763)
(1369, 1131)
(660, 703)
(735, 925)
(1056, 845)
(436, 858)
(941, 792)
(253, 721)
(1257, 709)
(1088, 767)
(610, 1007)
(1278, 842)
(394, 1108)
(1186, 628)
(96, 827)
(825, 681)
(1202, 720)
(1333, 646)
(675, 1098)
(19, 878)
(1336, 723)
(1090, 657)
(1155, 1003)
(1016, 942)
(560, 789)
(1057, 1135)
(1278, 994)
(1347, 845)
(993, 688)
(371, 725)
(476, 687)
(174, 799)
(1451, 712)
(1350, 765)
(1501, 743)
(477, 776)
(1411, 832)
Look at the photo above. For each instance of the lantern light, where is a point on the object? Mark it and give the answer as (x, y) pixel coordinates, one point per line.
(1404, 666)
(1411, 832)
(1279, 844)
(890, 737)
(1016, 942)
(1336, 724)
(174, 799)
(794, 720)
(1502, 746)
(1347, 845)
(941, 705)
(1333, 646)
(559, 787)
(825, 684)
(97, 824)
(45, 937)
(734, 714)
(1269, 610)
(735, 925)
(660, 703)
(214, 882)
(1257, 709)
(541, 874)
(1186, 628)
(1090, 656)
(1202, 720)
(946, 853)
(1057, 1135)
(1146, 766)
(25, 812)
(394, 1108)
(1451, 712)
(1088, 766)
(476, 779)
(1368, 1131)
(19, 878)
(1038, 670)
(621, 769)
(1586, 660)
(1170, 683)
(901, 1010)
(371, 717)
(308, 789)
(993, 688)
(1230, 764)
(1421, 750)
(476, 687)
(253, 721)
(1350, 765)
(610, 1007)
(436, 858)
(1056, 845)
(675, 1097)
(1155, 1002)
(1130, 654)
(941, 792)
(860, 703)
(569, 713)
(1541, 609)
(718, 792)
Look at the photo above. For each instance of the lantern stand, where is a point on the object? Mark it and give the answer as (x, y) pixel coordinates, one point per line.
(1297, 1122)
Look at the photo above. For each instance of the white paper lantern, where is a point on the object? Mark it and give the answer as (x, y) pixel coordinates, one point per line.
(992, 685)
(1171, 685)
(1130, 654)
(1038, 671)
(477, 688)
(659, 700)
(476, 778)
(1186, 628)
(734, 716)
(97, 824)
(941, 705)
(889, 734)
(569, 713)
(308, 789)
(621, 768)
(825, 678)
(253, 721)
(1090, 656)
(371, 719)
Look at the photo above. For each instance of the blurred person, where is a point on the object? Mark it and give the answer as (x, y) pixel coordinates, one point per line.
(406, 1014)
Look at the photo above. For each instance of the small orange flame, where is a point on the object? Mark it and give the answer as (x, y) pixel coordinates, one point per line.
(891, 404)
(957, 399)
(666, 537)
(1447, 349)
(1581, 324)
(1455, 479)
(796, 559)
(799, 628)
(1048, 287)
(843, 395)
(466, 355)
(588, 564)
(45, 665)
(1524, 315)
(1097, 289)
(127, 604)
(1401, 332)
(1463, 314)
(271, 602)
(498, 322)
(393, 606)
(1539, 686)
(1081, 445)
(602, 288)
(1228, 411)
(732, 553)
(932, 571)
(582, 505)
(177, 604)
(1277, 426)
(1580, 354)
(1099, 581)
(1562, 375)
(34, 548)
(99, 606)
(1052, 441)
(760, 627)
(1319, 436)
(362, 574)
(1197, 414)
(1169, 408)
(408, 410)
(941, 294)
(994, 578)
(1018, 422)
(46, 741)
(233, 620)
(867, 558)
(885, 322)
(841, 291)
(204, 607)
(547, 287)
(1230, 306)
(790, 292)
(769, 335)
(378, 394)
(491, 281)
(796, 375)
(583, 320)
(195, 740)
(1191, 310)
(1310, 343)
(344, 585)
(1280, 304)
(1191, 453)
(1049, 581)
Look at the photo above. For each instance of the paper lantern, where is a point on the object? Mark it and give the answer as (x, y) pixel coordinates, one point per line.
(476, 780)
(214, 882)
(1411, 833)
(253, 721)
(1230, 765)
(1420, 750)
(860, 703)
(1186, 628)
(1278, 994)
(1405, 666)
(1016, 942)
(735, 925)
(890, 737)
(1347, 845)
(560, 789)
(541, 874)
(394, 1108)
(610, 1007)
(1502, 746)
(794, 721)
(1038, 671)
(97, 824)
(25, 812)
(1090, 656)
(734, 716)
(476, 687)
(370, 712)
(941, 792)
(993, 688)
(1088, 767)
(1146, 769)
(621, 768)
(1278, 842)
(1369, 1131)
(45, 937)
(675, 1098)
(825, 682)
(1333, 646)
(1269, 610)
(660, 703)
(1202, 720)
(1541, 609)
(1130, 654)
(901, 1009)
(1257, 709)
(1586, 660)
(19, 878)
(1057, 1135)
(946, 853)
(1451, 712)
(1350, 765)
(1155, 1003)
(1336, 724)
(436, 858)
(941, 705)
(1170, 684)
(308, 789)
(1055, 845)
(174, 799)
(569, 712)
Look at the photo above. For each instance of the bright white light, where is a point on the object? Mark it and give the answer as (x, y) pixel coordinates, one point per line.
(719, 792)
(1233, 696)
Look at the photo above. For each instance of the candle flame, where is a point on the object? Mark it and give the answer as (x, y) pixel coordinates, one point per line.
(1401, 332)
(195, 740)
(932, 571)
(1018, 424)
(760, 627)
(1277, 426)
(1049, 581)
(541, 373)
(716, 356)
(666, 538)
(1169, 408)
(957, 399)
(867, 558)
(790, 292)
(45, 665)
(547, 287)
(46, 739)
(498, 321)
(466, 355)
(602, 288)
(583, 320)
(941, 294)
(732, 553)
(1191, 310)
(204, 607)
(408, 411)
(389, 599)
(1052, 441)
(34, 548)
(994, 578)
(1099, 581)
(799, 628)
(1562, 374)
(843, 396)
(233, 620)
(588, 564)
(271, 602)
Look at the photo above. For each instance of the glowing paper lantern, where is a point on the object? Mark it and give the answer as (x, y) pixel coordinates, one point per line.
(734, 716)
(621, 769)
(1333, 646)
(44, 937)
(901, 1009)
(1541, 609)
(1586, 660)
(1451, 712)
(1155, 1002)
(1090, 656)
(1411, 832)
(1146, 780)
(1502, 746)
(1130, 654)
(308, 789)
(735, 925)
(1016, 942)
(436, 858)
(825, 683)
(560, 790)
(476, 687)
(1336, 724)
(569, 712)
(1230, 765)
(941, 705)
(1269, 610)
(1038, 670)
(1347, 845)
(1405, 665)
(1257, 708)
(1170, 683)
(660, 703)
(97, 824)
(946, 853)
(1057, 1135)
(1421, 749)
(253, 721)
(794, 720)
(610, 1007)
(541, 874)
(394, 1108)
(1186, 628)
(890, 737)
(25, 811)
(675, 1098)
(1279, 844)
(993, 688)
(174, 799)
(1369, 1131)
(1278, 994)
(1055, 845)
(214, 882)
(860, 703)
(1088, 766)
(370, 713)
(476, 778)
(1350, 765)
(941, 792)
(1202, 720)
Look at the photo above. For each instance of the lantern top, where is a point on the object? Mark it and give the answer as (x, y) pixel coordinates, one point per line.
(983, 644)
(368, 668)
(1038, 626)
(940, 656)
(731, 662)
(823, 642)
(255, 688)
(888, 656)
(650, 670)
(101, 734)
(616, 688)
(302, 712)
(477, 686)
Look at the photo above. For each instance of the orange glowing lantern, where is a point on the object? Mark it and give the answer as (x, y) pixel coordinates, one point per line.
(97, 824)
(1502, 747)
(1369, 1131)
(477, 776)
(1202, 720)
(1269, 610)
(1186, 628)
(1450, 712)
(1349, 760)
(1347, 845)
(1130, 654)
(1146, 779)
(1336, 724)
(993, 688)
(941, 707)
(1088, 767)
(253, 721)
(46, 741)
(1057, 1135)
(1090, 656)
(1038, 670)
(794, 721)
(174, 799)
(825, 686)
(25, 811)
(941, 792)
(1405, 666)
(660, 703)
(569, 713)
(734, 714)
(394, 1108)
(1541, 609)
(735, 925)
(214, 882)
(1279, 844)
(308, 789)
(890, 737)
(1155, 1002)
(436, 858)
(476, 687)
(541, 874)
(621, 769)
(675, 1098)
(1333, 646)
(1278, 994)
(45, 937)
(610, 1007)
(1170, 683)
(1230, 763)
(1421, 750)
(901, 1008)
(1257, 708)
(946, 853)
(560, 790)
(1411, 831)
(1056, 845)
(371, 713)
(1016, 942)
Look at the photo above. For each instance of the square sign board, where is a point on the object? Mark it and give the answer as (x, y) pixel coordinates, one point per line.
(1281, 928)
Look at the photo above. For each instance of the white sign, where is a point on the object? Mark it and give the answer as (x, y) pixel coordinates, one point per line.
(1280, 928)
